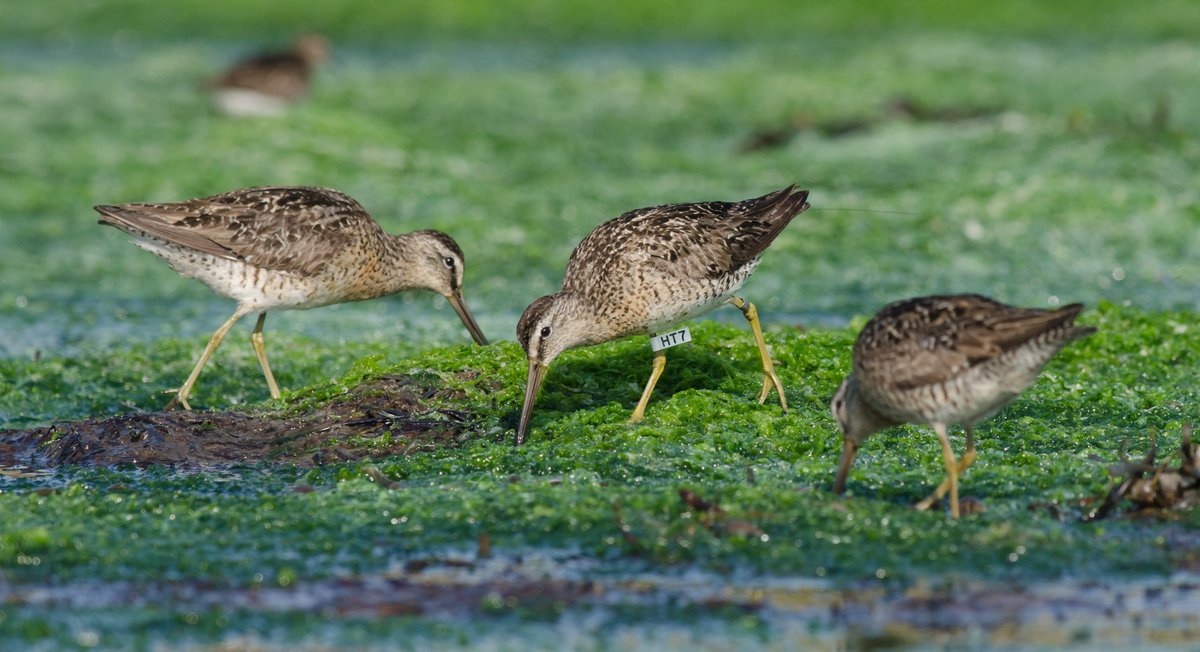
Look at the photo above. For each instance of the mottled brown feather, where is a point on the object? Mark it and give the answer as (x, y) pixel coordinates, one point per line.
(682, 241)
(930, 340)
(292, 230)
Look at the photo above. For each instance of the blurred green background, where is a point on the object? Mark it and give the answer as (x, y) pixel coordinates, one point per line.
(385, 23)
(1055, 158)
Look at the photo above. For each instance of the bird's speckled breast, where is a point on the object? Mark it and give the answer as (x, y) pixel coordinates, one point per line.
(667, 305)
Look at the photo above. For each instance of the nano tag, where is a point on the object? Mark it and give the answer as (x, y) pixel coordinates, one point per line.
(668, 340)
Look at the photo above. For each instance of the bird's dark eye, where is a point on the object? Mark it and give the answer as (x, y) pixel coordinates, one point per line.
(449, 262)
(545, 331)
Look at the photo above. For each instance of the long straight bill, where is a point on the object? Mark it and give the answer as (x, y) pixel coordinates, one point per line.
(460, 306)
(536, 373)
(849, 452)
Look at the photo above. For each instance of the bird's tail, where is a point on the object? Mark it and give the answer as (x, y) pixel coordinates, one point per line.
(764, 218)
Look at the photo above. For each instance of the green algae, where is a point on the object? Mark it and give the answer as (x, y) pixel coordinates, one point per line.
(703, 431)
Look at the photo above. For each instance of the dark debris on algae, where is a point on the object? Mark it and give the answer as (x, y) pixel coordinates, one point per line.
(386, 416)
(1148, 485)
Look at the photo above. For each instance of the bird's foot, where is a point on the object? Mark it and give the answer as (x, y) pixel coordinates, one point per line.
(964, 463)
(771, 380)
(929, 501)
(178, 401)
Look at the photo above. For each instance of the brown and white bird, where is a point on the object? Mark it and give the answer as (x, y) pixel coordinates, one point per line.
(289, 248)
(266, 84)
(945, 360)
(650, 269)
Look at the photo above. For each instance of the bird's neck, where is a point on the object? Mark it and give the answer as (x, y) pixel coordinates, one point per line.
(586, 327)
(396, 268)
(866, 419)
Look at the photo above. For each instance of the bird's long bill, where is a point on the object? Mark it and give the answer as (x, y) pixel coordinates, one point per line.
(537, 372)
(849, 451)
(460, 306)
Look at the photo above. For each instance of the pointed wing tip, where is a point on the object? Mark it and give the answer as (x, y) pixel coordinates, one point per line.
(795, 200)
(1070, 312)
(111, 215)
(799, 198)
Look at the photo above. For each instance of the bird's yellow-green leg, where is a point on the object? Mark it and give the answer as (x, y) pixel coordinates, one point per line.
(964, 463)
(660, 363)
(213, 342)
(770, 378)
(951, 471)
(260, 349)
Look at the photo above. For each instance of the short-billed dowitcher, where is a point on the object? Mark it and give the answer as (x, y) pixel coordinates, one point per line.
(265, 84)
(650, 269)
(941, 361)
(281, 248)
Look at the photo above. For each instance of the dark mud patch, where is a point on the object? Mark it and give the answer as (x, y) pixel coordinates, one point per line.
(382, 417)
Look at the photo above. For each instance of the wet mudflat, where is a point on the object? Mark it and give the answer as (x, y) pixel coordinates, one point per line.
(308, 520)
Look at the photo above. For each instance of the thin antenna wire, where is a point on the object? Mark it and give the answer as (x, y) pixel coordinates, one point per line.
(866, 210)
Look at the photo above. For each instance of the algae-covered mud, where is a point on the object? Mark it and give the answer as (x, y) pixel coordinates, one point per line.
(393, 501)
(1035, 152)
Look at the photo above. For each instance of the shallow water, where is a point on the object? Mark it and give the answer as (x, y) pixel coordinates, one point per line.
(561, 600)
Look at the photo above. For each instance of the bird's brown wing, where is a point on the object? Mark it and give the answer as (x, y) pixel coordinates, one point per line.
(698, 240)
(933, 339)
(284, 74)
(293, 230)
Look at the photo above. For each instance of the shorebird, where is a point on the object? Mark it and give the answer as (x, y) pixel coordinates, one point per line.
(289, 248)
(650, 269)
(265, 84)
(941, 361)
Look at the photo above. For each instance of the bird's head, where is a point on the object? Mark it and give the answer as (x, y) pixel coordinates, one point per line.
(313, 48)
(550, 325)
(438, 262)
(857, 420)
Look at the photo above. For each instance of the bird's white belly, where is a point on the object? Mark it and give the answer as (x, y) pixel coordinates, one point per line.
(253, 287)
(247, 103)
(673, 311)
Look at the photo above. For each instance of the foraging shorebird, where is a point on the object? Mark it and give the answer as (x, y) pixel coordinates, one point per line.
(289, 248)
(945, 360)
(651, 269)
(265, 84)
